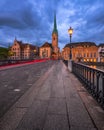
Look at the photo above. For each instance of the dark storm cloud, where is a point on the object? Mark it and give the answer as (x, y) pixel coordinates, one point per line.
(9, 21)
(95, 23)
(96, 18)
(19, 15)
(89, 25)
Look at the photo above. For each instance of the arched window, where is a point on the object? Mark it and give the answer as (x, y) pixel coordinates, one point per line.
(94, 54)
(87, 54)
(91, 55)
(53, 38)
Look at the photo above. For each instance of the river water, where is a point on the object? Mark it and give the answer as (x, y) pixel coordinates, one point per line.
(98, 67)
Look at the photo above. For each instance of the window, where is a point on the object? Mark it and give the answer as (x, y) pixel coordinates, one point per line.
(84, 55)
(87, 54)
(91, 55)
(94, 54)
(47, 53)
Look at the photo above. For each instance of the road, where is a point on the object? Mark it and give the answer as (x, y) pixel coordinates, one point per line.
(15, 81)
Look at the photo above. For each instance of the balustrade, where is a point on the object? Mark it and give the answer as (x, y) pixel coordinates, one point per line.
(93, 80)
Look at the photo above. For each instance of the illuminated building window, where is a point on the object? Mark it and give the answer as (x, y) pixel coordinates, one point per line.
(91, 60)
(94, 60)
(87, 59)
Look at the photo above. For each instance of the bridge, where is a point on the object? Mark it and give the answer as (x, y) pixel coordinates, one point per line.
(49, 97)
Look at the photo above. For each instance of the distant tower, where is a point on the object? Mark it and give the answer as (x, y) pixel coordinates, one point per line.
(55, 34)
(15, 39)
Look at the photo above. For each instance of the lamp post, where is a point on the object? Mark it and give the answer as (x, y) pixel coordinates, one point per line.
(70, 31)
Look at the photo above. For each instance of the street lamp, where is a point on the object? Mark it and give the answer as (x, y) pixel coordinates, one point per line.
(70, 31)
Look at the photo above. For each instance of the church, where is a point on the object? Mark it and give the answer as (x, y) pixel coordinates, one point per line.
(51, 50)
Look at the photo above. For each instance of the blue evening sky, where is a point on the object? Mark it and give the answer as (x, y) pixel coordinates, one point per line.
(31, 21)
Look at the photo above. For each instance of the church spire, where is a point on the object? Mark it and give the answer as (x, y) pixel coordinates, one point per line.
(55, 24)
(15, 39)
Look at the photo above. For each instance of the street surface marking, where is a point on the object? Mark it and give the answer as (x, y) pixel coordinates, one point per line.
(16, 90)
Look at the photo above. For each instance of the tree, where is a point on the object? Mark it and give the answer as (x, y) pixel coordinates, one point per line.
(3, 53)
(10, 53)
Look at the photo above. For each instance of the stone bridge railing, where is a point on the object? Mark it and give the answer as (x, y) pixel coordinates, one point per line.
(93, 80)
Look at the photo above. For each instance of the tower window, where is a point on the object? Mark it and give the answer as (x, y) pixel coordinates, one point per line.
(54, 38)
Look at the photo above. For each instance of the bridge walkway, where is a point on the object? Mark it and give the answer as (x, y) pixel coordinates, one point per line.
(57, 101)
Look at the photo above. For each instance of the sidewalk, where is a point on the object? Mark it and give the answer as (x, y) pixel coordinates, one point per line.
(57, 101)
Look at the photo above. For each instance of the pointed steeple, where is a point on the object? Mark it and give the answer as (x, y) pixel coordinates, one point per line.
(55, 24)
(15, 39)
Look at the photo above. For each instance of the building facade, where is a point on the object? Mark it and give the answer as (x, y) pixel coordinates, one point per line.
(51, 50)
(101, 52)
(81, 51)
(20, 50)
(46, 50)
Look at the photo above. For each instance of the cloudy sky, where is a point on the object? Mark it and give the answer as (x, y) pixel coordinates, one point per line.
(31, 21)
